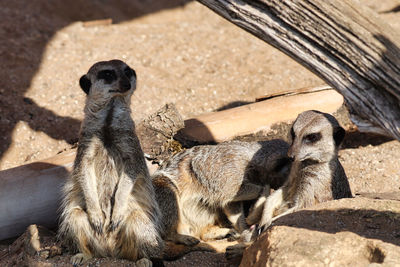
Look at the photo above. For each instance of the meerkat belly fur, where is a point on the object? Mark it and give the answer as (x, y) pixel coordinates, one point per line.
(109, 207)
(316, 174)
(206, 181)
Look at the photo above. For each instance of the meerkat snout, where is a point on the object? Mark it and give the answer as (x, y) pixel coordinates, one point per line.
(110, 79)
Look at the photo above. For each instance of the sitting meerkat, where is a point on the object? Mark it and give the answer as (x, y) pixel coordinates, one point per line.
(109, 206)
(197, 186)
(316, 174)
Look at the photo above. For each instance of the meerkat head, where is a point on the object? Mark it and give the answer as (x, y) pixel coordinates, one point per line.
(316, 136)
(107, 79)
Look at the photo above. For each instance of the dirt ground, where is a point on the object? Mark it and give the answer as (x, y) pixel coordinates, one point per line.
(182, 53)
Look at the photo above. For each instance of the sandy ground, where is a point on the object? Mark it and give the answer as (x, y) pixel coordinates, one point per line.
(182, 53)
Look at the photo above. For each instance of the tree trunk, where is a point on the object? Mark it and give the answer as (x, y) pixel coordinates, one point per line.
(343, 42)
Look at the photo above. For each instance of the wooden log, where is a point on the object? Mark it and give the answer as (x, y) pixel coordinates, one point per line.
(261, 116)
(342, 41)
(31, 194)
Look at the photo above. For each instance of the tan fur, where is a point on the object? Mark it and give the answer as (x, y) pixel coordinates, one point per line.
(109, 207)
(205, 183)
(316, 174)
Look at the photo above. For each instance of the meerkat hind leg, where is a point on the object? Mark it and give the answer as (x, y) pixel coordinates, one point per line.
(215, 232)
(170, 213)
(80, 227)
(184, 239)
(139, 238)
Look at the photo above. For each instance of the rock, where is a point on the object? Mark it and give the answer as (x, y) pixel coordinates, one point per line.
(346, 232)
(37, 240)
(32, 241)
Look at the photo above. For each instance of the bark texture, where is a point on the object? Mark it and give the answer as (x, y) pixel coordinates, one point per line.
(342, 41)
(156, 133)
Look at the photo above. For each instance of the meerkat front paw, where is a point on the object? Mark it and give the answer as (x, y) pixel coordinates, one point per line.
(115, 221)
(144, 262)
(96, 220)
(264, 223)
(79, 258)
(233, 235)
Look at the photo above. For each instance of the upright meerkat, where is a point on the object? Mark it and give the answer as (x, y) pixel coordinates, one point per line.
(316, 174)
(196, 186)
(109, 207)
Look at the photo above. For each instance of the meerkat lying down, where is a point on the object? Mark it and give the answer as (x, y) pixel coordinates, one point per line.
(109, 207)
(316, 174)
(195, 187)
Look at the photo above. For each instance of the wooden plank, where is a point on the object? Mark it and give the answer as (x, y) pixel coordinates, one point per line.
(304, 90)
(260, 116)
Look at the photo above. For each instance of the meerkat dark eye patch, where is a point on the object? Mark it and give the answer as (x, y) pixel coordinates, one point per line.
(312, 138)
(129, 72)
(107, 75)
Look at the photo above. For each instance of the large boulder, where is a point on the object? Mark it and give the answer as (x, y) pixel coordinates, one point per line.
(347, 232)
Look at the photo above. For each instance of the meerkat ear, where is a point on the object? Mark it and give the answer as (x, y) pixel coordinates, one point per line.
(338, 135)
(85, 84)
(292, 135)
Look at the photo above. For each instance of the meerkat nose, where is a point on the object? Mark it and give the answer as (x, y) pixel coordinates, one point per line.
(125, 85)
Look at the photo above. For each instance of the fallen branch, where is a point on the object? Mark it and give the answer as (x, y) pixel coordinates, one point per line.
(260, 116)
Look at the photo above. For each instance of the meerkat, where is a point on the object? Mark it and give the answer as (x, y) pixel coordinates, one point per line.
(109, 206)
(197, 186)
(316, 175)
